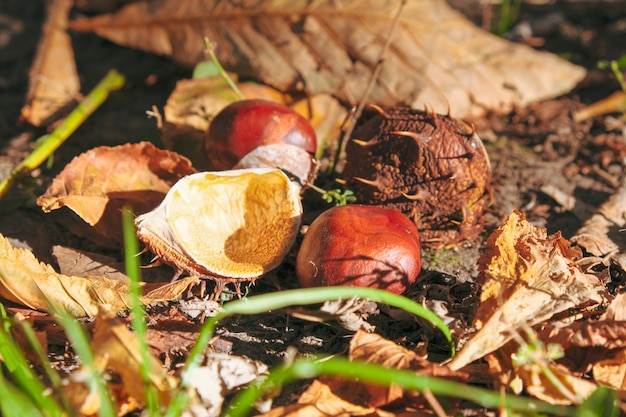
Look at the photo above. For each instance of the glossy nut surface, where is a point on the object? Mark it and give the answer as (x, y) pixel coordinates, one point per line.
(244, 125)
(359, 245)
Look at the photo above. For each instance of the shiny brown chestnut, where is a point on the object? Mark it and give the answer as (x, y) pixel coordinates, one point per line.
(244, 125)
(360, 245)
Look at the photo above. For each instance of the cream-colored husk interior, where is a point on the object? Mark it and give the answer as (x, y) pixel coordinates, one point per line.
(238, 223)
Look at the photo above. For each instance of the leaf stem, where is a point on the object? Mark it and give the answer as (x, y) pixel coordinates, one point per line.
(368, 89)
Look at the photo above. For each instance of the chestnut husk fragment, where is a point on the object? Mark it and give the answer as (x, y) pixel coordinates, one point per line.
(431, 167)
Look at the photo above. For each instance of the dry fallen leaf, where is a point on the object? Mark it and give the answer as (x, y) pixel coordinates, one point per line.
(600, 235)
(221, 376)
(53, 79)
(80, 263)
(526, 277)
(436, 56)
(320, 400)
(26, 281)
(617, 309)
(572, 390)
(99, 183)
(117, 350)
(612, 372)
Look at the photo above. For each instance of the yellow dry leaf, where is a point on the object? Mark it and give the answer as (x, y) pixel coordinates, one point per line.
(26, 281)
(526, 277)
(612, 372)
(570, 389)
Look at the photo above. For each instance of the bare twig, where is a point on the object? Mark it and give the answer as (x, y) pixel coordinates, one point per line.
(370, 86)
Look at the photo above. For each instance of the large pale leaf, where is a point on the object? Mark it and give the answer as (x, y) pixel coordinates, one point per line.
(26, 281)
(436, 56)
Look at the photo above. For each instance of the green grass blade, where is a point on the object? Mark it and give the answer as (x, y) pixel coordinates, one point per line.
(21, 373)
(112, 81)
(380, 375)
(14, 403)
(131, 249)
(603, 402)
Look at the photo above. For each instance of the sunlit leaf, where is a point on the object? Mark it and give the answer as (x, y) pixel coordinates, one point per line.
(436, 56)
(98, 183)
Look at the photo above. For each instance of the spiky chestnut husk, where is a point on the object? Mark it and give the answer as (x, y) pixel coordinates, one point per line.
(431, 167)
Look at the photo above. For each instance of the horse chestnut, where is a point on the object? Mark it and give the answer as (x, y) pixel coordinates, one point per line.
(359, 245)
(244, 125)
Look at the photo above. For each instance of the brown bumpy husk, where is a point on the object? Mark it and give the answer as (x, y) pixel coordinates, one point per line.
(431, 167)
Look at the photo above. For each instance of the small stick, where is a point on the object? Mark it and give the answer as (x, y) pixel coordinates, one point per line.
(210, 49)
(370, 85)
(112, 81)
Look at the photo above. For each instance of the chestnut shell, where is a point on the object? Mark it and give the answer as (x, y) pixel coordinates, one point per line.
(359, 245)
(431, 167)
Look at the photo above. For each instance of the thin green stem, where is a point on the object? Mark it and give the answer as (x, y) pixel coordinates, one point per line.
(131, 249)
(112, 81)
(210, 48)
(278, 300)
(381, 375)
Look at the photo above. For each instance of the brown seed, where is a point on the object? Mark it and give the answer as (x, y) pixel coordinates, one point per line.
(358, 245)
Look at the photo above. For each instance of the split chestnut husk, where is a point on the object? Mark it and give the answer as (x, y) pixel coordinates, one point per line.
(226, 226)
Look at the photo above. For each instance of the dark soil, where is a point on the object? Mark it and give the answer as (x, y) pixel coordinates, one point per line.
(555, 170)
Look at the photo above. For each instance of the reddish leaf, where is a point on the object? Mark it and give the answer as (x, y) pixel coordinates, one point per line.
(99, 183)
